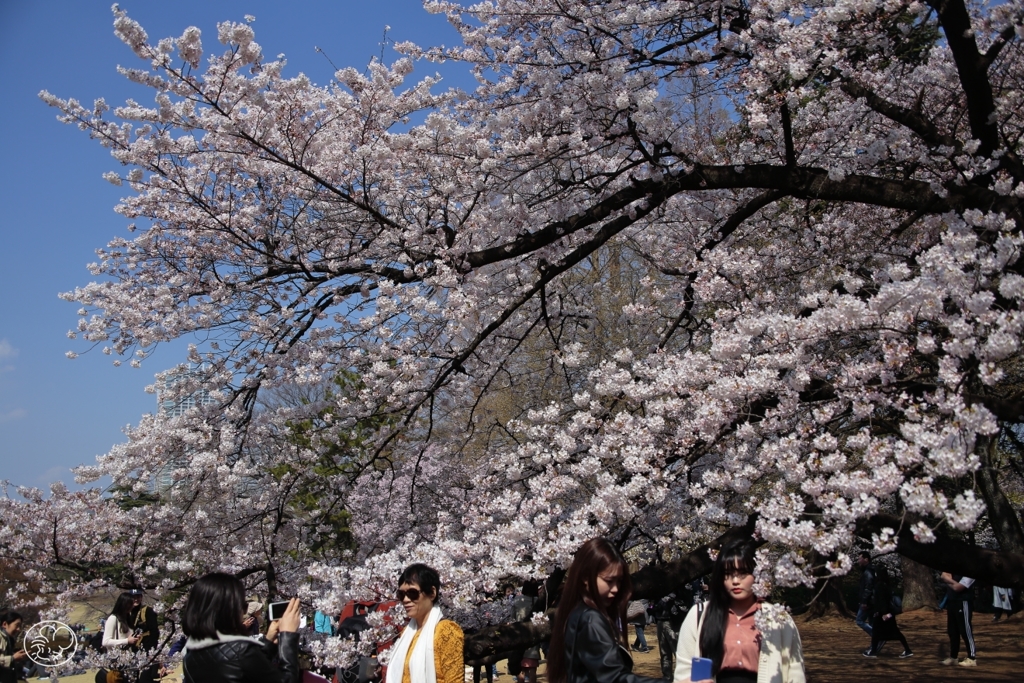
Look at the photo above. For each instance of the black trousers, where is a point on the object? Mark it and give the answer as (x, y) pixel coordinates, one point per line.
(958, 626)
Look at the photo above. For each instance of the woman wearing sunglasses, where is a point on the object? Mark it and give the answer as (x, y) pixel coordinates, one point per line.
(588, 640)
(430, 648)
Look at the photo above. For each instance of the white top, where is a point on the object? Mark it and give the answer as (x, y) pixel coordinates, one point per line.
(114, 634)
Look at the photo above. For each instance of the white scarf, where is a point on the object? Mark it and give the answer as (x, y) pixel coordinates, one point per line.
(421, 663)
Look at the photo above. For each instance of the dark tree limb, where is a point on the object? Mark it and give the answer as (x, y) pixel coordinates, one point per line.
(800, 182)
(654, 582)
(972, 68)
(909, 118)
(787, 134)
(947, 554)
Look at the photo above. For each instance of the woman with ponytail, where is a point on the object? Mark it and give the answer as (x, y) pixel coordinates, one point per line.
(723, 629)
(588, 640)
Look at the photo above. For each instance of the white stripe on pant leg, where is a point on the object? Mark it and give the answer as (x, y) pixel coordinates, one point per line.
(971, 651)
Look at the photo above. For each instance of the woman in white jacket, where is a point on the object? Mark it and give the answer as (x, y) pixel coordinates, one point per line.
(723, 629)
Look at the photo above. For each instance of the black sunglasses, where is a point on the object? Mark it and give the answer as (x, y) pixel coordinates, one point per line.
(413, 594)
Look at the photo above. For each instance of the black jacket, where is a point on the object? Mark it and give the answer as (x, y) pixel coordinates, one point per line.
(881, 598)
(593, 654)
(243, 661)
(865, 593)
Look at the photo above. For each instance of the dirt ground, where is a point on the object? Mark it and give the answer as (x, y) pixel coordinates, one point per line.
(833, 645)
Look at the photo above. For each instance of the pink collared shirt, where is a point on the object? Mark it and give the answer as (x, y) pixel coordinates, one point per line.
(742, 647)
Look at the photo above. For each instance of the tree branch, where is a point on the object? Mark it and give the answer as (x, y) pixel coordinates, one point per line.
(949, 555)
(972, 68)
(913, 120)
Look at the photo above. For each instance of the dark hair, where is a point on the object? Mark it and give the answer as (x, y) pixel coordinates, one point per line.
(866, 555)
(593, 558)
(881, 574)
(215, 603)
(423, 576)
(123, 609)
(10, 616)
(736, 555)
(531, 588)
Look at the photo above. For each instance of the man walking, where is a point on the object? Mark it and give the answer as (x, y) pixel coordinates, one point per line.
(959, 611)
(865, 592)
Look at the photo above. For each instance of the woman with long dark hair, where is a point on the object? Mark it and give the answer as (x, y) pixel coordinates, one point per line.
(723, 629)
(117, 631)
(219, 650)
(883, 621)
(589, 643)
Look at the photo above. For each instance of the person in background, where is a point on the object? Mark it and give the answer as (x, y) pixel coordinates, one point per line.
(11, 659)
(636, 614)
(144, 625)
(119, 632)
(883, 623)
(522, 610)
(865, 592)
(1002, 601)
(252, 618)
(669, 613)
(959, 613)
(324, 623)
(429, 650)
(723, 629)
(589, 643)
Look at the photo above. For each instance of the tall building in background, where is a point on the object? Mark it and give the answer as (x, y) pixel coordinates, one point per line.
(175, 407)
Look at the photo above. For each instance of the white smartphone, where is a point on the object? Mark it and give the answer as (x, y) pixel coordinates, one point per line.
(275, 610)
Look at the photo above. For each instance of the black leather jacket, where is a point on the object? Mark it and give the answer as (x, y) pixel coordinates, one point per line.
(244, 661)
(593, 654)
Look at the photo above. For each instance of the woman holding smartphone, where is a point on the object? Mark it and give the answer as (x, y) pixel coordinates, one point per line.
(723, 630)
(218, 649)
(589, 643)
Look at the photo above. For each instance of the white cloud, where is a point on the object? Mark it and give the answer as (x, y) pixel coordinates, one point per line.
(51, 475)
(6, 350)
(12, 415)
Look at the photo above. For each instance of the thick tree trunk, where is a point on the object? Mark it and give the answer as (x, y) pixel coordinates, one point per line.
(918, 586)
(827, 595)
(1003, 518)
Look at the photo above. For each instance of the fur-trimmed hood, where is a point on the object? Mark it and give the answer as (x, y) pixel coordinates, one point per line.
(194, 644)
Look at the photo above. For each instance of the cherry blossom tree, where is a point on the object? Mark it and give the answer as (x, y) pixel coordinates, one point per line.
(671, 268)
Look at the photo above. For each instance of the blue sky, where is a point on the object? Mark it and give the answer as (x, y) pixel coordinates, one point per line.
(56, 413)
